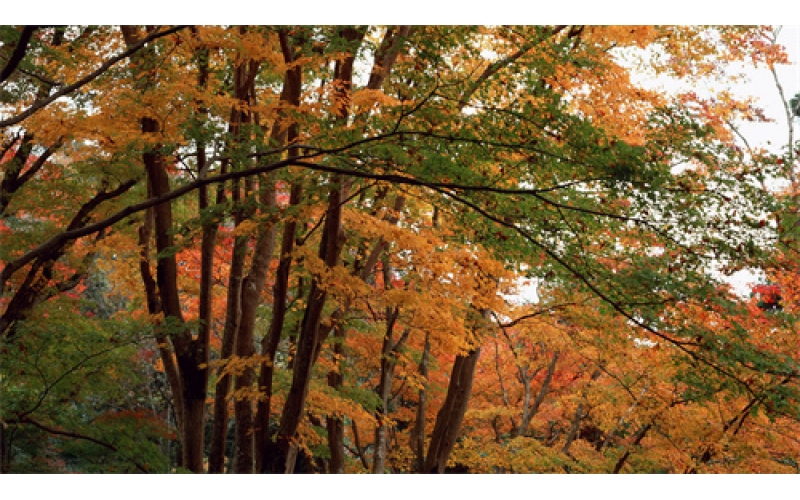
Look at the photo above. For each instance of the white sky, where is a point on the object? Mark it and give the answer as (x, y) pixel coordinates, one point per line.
(399, 12)
(762, 85)
(772, 136)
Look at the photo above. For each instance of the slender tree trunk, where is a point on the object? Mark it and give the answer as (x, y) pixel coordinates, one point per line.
(449, 418)
(418, 433)
(245, 347)
(389, 352)
(219, 430)
(384, 393)
(335, 425)
(580, 414)
(201, 345)
(448, 421)
(252, 289)
(308, 339)
(292, 87)
(285, 452)
(271, 341)
(381, 431)
(529, 412)
(153, 308)
(190, 354)
(640, 434)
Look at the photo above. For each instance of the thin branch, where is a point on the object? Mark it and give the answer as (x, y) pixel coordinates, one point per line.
(36, 106)
(64, 375)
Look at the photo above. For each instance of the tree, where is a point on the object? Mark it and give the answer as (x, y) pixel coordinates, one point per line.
(327, 225)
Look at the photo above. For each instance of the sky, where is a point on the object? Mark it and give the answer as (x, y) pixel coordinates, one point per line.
(772, 136)
(762, 85)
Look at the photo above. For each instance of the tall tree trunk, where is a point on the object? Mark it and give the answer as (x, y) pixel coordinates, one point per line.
(389, 352)
(252, 286)
(252, 289)
(190, 354)
(418, 432)
(271, 341)
(245, 347)
(451, 415)
(207, 247)
(292, 415)
(154, 307)
(219, 430)
(384, 393)
(292, 87)
(334, 424)
(285, 452)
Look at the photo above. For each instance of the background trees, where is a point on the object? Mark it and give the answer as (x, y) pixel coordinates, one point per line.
(297, 249)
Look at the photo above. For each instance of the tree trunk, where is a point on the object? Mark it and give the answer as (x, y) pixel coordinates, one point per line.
(190, 354)
(384, 392)
(637, 439)
(219, 430)
(309, 337)
(245, 342)
(334, 424)
(292, 87)
(529, 412)
(269, 345)
(153, 308)
(285, 452)
(418, 432)
(451, 415)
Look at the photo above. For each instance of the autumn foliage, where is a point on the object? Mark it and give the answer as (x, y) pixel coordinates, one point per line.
(370, 249)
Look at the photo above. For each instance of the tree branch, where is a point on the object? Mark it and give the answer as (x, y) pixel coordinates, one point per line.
(19, 52)
(36, 106)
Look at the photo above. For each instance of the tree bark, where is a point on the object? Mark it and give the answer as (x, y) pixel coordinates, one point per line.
(334, 424)
(219, 430)
(306, 349)
(153, 308)
(529, 412)
(251, 290)
(418, 433)
(271, 341)
(448, 421)
(309, 336)
(245, 346)
(637, 439)
(292, 88)
(190, 354)
(384, 392)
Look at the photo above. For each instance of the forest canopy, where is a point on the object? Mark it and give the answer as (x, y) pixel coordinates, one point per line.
(393, 249)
